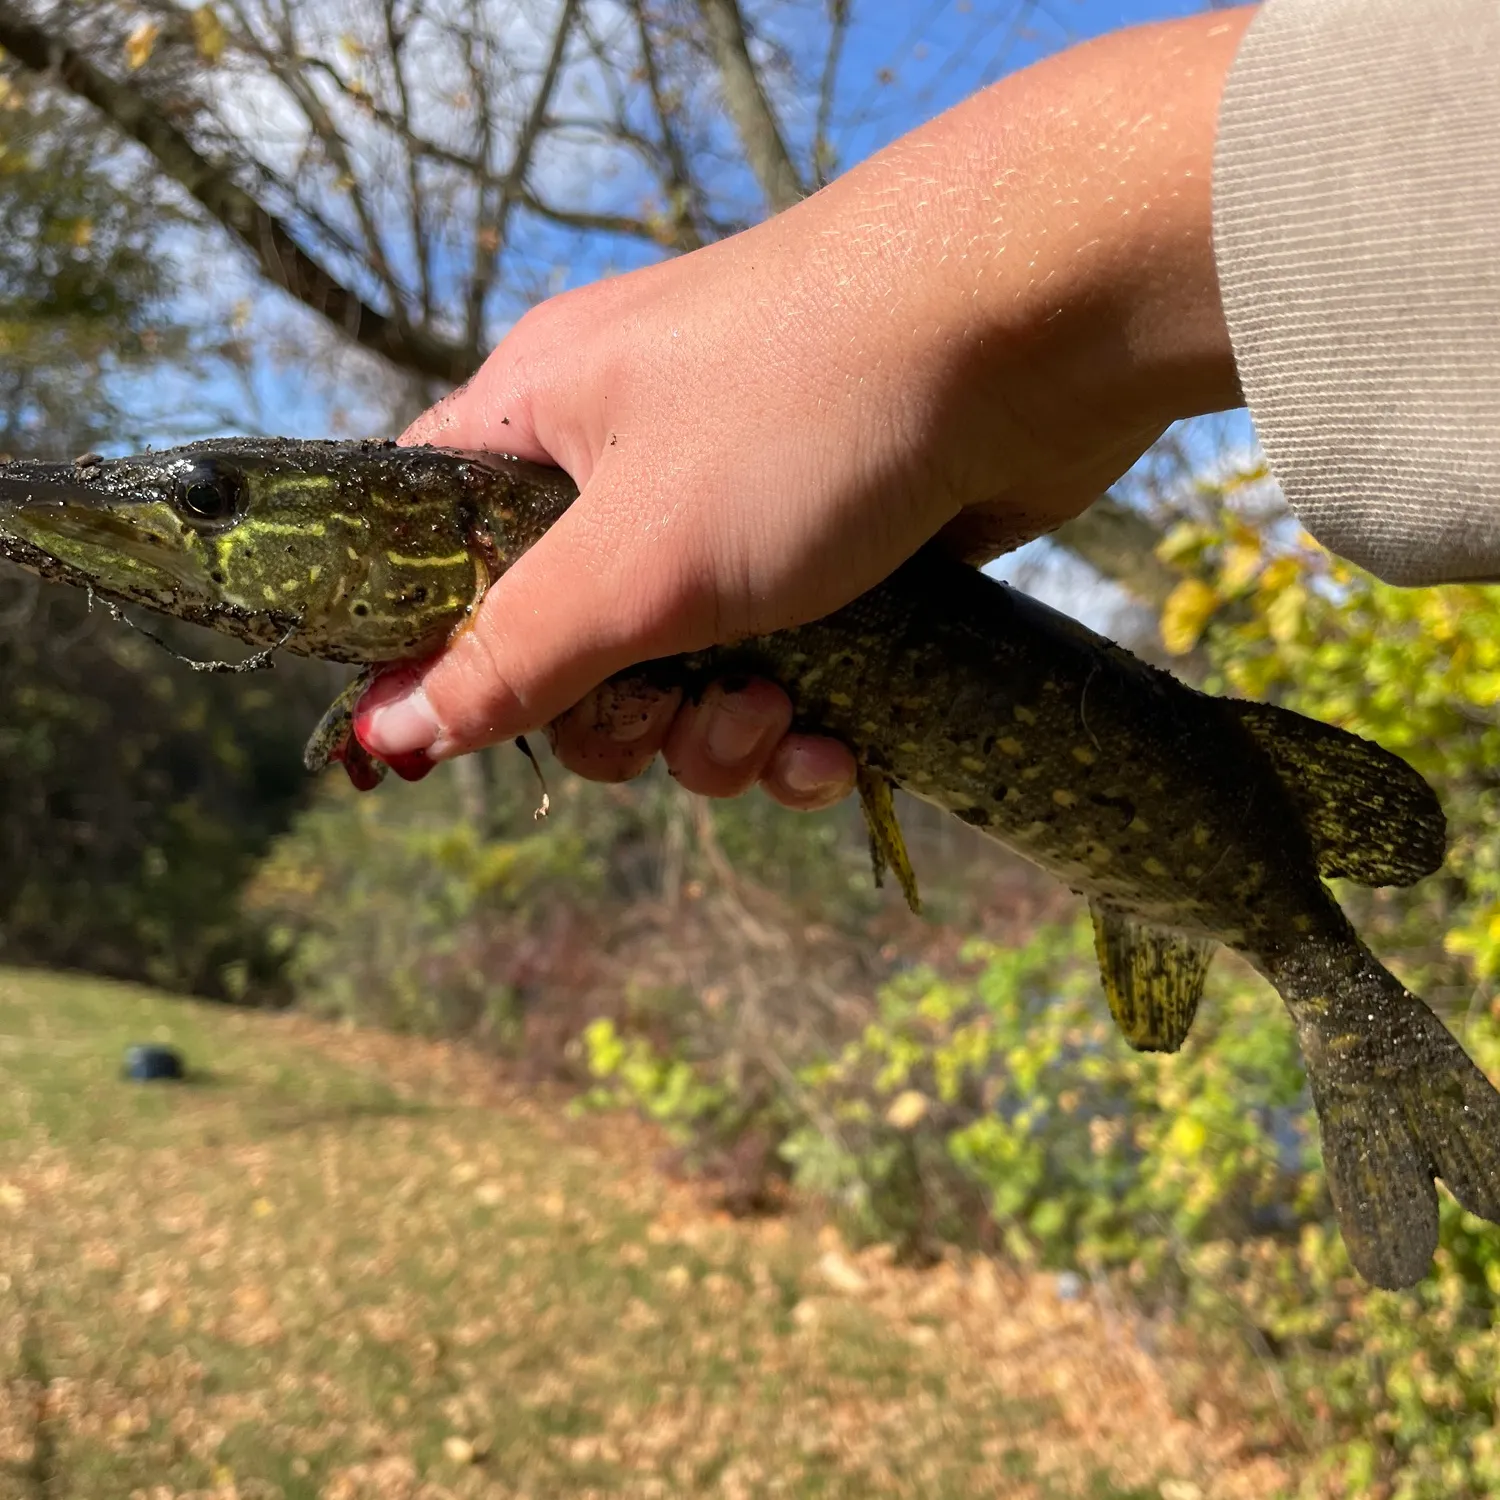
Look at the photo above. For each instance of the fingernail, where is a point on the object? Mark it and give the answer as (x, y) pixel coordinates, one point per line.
(412, 766)
(803, 769)
(806, 783)
(734, 731)
(394, 719)
(627, 712)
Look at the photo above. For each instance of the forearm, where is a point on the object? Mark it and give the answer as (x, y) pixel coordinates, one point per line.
(1045, 246)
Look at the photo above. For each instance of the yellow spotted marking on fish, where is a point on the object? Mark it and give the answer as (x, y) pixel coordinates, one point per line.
(1024, 715)
(1030, 773)
(921, 775)
(1202, 833)
(1153, 866)
(972, 763)
(1138, 825)
(841, 700)
(1009, 746)
(314, 572)
(1302, 922)
(353, 555)
(268, 593)
(1100, 854)
(284, 528)
(1194, 871)
(906, 747)
(1083, 755)
(871, 727)
(452, 560)
(1064, 798)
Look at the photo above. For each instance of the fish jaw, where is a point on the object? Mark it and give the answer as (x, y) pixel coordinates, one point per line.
(108, 525)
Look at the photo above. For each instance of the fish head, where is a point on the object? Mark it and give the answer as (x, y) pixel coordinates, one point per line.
(310, 541)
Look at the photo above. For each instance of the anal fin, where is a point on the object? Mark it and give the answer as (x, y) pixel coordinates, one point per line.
(1153, 978)
(887, 847)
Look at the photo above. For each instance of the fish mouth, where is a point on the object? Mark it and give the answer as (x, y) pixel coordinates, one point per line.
(26, 487)
(92, 533)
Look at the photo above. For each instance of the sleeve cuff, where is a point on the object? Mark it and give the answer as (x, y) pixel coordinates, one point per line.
(1357, 235)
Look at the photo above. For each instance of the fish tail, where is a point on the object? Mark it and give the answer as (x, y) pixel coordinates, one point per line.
(1399, 1103)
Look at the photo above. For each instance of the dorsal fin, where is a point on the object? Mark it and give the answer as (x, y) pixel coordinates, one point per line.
(1371, 817)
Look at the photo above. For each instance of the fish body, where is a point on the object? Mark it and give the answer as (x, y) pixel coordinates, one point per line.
(1188, 821)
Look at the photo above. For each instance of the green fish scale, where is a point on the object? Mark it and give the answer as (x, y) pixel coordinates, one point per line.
(1111, 775)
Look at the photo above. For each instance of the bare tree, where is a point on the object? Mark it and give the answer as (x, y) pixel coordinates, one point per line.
(413, 170)
(418, 172)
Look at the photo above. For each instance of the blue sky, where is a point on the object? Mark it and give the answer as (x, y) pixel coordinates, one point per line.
(942, 50)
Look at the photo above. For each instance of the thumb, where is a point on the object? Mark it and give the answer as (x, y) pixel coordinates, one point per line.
(604, 589)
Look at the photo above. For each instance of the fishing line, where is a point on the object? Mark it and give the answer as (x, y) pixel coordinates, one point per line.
(260, 661)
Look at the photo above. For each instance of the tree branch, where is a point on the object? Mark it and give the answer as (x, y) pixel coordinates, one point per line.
(1120, 543)
(280, 258)
(838, 31)
(487, 252)
(680, 195)
(748, 107)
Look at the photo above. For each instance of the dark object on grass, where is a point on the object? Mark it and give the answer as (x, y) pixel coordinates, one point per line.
(151, 1063)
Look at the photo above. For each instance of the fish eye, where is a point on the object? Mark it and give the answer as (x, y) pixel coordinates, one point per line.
(209, 496)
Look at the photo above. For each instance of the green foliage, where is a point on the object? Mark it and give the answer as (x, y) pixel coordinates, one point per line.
(84, 287)
(630, 1071)
(1084, 1152)
(137, 797)
(996, 1103)
(394, 909)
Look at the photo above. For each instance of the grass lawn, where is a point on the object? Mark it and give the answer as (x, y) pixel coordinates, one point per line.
(346, 1265)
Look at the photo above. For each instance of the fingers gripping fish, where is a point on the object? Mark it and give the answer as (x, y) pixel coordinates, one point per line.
(1188, 821)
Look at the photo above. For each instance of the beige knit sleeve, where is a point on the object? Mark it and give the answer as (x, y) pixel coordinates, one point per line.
(1357, 231)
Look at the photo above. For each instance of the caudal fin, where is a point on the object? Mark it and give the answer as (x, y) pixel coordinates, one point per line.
(1399, 1103)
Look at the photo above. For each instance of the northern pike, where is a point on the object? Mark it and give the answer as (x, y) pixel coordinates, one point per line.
(1186, 820)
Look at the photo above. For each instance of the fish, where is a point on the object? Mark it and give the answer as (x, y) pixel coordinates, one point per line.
(1188, 821)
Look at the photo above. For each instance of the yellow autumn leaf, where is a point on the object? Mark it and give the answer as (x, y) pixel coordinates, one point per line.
(1187, 1136)
(140, 44)
(1183, 543)
(1188, 609)
(1241, 532)
(907, 1109)
(1241, 563)
(1284, 614)
(210, 33)
(1284, 571)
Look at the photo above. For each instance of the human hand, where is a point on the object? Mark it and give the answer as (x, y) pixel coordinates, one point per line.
(975, 332)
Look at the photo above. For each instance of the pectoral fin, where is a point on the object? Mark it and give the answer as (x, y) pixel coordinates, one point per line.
(1152, 978)
(887, 847)
(333, 739)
